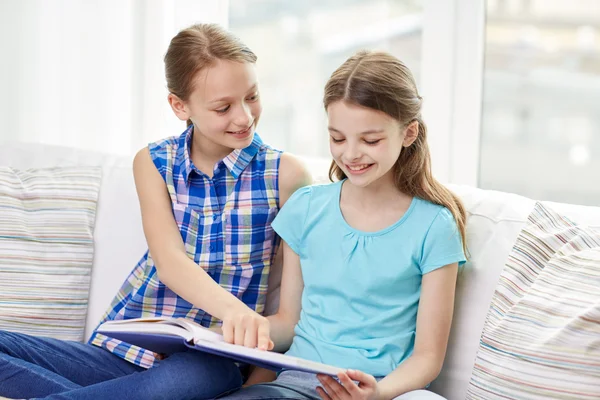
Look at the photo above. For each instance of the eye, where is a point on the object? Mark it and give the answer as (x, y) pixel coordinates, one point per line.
(373, 142)
(222, 110)
(254, 97)
(334, 140)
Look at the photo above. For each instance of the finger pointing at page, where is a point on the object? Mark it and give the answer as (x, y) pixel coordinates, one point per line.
(264, 340)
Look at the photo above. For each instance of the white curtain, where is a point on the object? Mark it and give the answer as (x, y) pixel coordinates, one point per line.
(90, 74)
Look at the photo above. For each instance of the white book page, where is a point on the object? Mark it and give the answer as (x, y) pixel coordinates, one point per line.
(157, 326)
(129, 321)
(199, 331)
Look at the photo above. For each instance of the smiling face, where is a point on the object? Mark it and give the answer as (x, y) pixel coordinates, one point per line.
(365, 143)
(224, 105)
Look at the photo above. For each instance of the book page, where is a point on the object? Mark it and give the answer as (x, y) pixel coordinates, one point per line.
(159, 326)
(129, 321)
(182, 327)
(198, 331)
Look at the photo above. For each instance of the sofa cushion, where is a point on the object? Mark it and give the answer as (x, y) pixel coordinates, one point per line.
(541, 338)
(46, 249)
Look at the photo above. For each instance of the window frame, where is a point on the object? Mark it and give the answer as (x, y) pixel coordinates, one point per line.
(452, 82)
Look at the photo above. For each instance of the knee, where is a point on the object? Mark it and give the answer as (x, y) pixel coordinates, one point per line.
(420, 395)
(198, 362)
(203, 373)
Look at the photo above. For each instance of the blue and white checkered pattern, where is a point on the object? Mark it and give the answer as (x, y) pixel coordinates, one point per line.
(225, 224)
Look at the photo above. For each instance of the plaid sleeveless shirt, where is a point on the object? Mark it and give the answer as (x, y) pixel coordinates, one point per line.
(225, 224)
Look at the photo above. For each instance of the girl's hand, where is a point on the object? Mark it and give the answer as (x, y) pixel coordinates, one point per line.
(247, 328)
(346, 389)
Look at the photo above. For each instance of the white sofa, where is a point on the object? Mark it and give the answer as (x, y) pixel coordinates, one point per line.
(495, 219)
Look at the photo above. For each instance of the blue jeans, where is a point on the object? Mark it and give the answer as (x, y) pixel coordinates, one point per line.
(295, 385)
(36, 367)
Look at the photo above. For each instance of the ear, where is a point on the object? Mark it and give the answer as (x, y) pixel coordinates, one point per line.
(179, 107)
(411, 133)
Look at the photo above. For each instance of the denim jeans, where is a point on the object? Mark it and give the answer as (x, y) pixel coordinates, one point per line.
(295, 385)
(36, 367)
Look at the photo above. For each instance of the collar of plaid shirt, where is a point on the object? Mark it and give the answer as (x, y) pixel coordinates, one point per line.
(235, 162)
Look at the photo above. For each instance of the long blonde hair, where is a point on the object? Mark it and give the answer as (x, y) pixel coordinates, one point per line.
(198, 47)
(379, 81)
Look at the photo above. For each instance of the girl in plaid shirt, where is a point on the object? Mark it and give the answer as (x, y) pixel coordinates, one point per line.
(207, 198)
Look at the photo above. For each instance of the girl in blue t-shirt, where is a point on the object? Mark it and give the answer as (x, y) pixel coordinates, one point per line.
(370, 261)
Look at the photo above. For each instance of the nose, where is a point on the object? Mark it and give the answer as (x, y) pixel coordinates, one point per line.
(352, 152)
(243, 118)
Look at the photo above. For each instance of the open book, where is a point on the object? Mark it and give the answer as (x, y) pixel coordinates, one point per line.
(171, 335)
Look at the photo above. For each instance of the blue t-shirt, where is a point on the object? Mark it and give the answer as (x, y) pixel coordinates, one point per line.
(362, 289)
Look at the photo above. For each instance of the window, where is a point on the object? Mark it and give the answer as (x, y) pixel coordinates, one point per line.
(300, 43)
(541, 100)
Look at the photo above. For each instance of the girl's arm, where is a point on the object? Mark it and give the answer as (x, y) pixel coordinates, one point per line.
(284, 321)
(292, 176)
(434, 318)
(176, 270)
(292, 285)
(241, 325)
(436, 306)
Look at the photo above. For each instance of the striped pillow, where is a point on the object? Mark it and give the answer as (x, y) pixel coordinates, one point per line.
(46, 249)
(541, 338)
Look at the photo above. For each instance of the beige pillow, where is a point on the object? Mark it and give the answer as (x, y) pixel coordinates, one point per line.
(541, 339)
(46, 249)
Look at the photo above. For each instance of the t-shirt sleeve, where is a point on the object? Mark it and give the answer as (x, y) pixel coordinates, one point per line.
(289, 222)
(443, 243)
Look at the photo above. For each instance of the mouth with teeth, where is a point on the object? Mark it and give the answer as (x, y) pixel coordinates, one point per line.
(242, 134)
(358, 168)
